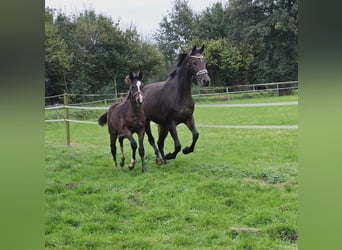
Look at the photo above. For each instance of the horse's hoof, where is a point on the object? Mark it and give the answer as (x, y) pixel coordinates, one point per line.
(169, 156)
(122, 163)
(159, 161)
(130, 167)
(187, 150)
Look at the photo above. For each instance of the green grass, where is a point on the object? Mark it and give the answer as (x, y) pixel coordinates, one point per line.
(277, 115)
(258, 99)
(238, 190)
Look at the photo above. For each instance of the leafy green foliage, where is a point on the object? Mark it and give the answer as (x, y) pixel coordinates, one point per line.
(226, 62)
(57, 57)
(246, 42)
(89, 53)
(261, 34)
(175, 30)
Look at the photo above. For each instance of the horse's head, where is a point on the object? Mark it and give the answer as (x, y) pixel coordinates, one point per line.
(197, 64)
(135, 84)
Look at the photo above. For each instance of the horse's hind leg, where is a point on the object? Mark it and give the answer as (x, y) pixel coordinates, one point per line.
(159, 158)
(191, 125)
(113, 137)
(122, 158)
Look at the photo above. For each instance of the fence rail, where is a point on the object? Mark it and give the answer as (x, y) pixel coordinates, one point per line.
(207, 91)
(228, 91)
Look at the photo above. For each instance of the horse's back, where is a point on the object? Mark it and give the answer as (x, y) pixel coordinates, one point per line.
(120, 116)
(152, 87)
(114, 114)
(163, 104)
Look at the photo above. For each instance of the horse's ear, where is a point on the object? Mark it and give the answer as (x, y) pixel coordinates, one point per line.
(193, 50)
(140, 75)
(201, 49)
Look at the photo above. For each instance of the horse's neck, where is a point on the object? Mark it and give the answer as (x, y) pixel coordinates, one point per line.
(184, 82)
(134, 106)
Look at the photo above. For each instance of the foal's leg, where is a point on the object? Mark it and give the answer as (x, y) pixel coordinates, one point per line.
(162, 131)
(122, 158)
(142, 150)
(177, 144)
(159, 158)
(191, 125)
(113, 136)
(129, 136)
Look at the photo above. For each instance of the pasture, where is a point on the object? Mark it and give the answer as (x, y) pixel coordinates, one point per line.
(238, 190)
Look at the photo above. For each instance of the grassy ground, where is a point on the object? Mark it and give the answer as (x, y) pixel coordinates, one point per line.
(238, 190)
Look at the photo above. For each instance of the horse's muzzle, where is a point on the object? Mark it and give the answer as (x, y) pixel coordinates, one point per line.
(204, 80)
(203, 77)
(140, 99)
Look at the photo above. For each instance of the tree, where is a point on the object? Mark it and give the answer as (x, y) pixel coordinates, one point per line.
(226, 63)
(212, 23)
(89, 53)
(270, 29)
(175, 30)
(57, 57)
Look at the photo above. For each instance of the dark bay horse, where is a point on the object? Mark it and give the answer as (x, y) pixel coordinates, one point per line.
(126, 118)
(170, 103)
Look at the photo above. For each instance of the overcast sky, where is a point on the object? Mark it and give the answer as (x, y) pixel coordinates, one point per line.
(144, 14)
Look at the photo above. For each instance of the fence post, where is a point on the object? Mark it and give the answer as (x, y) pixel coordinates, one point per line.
(278, 89)
(67, 124)
(227, 90)
(84, 114)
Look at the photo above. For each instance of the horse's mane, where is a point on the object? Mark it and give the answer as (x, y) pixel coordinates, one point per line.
(180, 60)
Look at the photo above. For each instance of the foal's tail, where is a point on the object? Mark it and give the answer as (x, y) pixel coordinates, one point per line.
(103, 119)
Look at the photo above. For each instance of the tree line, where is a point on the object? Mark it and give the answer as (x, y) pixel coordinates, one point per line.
(247, 41)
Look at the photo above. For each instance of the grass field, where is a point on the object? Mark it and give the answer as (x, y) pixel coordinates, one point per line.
(238, 190)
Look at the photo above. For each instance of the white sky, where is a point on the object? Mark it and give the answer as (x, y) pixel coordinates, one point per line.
(145, 15)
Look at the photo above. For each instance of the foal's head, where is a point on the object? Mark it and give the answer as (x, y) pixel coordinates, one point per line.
(135, 85)
(197, 65)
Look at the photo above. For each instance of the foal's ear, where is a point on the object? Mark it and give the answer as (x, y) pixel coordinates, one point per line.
(131, 76)
(201, 49)
(193, 50)
(140, 75)
(127, 79)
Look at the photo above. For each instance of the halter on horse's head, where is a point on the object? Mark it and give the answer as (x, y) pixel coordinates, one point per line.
(134, 82)
(197, 65)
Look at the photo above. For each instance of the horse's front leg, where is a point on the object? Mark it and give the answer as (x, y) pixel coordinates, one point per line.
(191, 125)
(173, 132)
(129, 136)
(142, 150)
(159, 158)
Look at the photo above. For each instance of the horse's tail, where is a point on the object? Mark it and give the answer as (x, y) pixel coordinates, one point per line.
(103, 119)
